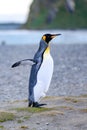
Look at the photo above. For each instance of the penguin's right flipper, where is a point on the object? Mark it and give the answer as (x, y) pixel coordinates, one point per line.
(24, 62)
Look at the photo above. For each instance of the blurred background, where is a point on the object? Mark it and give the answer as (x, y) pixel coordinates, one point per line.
(19, 17)
(22, 24)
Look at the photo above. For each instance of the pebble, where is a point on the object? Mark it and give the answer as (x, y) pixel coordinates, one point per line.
(47, 123)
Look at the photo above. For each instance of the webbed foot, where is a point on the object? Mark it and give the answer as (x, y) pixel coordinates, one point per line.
(36, 104)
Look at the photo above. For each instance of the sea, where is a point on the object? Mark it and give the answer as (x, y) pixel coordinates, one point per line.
(22, 37)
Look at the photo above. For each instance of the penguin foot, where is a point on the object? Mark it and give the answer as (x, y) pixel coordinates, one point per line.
(36, 104)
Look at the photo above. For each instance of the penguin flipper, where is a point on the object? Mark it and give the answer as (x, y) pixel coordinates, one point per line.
(24, 62)
(16, 64)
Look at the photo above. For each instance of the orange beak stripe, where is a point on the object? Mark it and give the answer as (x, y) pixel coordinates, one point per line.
(54, 35)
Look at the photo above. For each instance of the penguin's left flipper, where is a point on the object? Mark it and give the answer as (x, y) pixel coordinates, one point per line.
(24, 62)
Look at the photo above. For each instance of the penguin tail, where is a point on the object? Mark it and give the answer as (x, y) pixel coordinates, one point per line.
(30, 104)
(24, 62)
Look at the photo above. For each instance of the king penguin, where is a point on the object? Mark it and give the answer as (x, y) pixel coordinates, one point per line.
(41, 71)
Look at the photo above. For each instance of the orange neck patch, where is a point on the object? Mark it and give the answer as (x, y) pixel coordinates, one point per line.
(47, 51)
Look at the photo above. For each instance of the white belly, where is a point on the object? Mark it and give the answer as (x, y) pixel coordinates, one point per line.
(43, 78)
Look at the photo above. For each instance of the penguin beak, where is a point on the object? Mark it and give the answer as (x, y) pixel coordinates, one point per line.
(54, 35)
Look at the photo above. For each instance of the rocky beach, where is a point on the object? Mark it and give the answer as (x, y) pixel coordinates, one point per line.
(22, 24)
(66, 99)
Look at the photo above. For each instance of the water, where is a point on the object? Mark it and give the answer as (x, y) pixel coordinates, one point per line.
(9, 26)
(21, 37)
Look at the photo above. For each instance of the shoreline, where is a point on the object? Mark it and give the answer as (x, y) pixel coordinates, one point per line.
(22, 37)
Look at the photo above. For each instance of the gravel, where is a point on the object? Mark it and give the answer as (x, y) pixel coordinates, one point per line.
(69, 77)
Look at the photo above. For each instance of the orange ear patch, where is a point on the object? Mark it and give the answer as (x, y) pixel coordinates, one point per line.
(44, 38)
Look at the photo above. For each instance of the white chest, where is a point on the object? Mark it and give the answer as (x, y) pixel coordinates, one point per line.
(45, 72)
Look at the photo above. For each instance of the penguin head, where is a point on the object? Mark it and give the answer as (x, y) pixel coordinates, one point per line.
(48, 37)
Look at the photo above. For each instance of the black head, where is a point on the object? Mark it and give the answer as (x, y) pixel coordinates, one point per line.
(48, 37)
